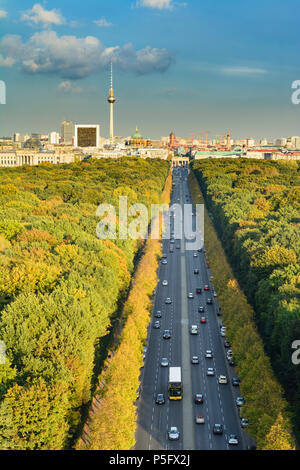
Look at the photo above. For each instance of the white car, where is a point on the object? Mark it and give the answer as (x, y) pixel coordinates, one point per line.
(223, 379)
(210, 371)
(165, 283)
(209, 354)
(164, 362)
(194, 330)
(200, 419)
(190, 295)
(233, 440)
(215, 294)
(173, 433)
(195, 360)
(195, 255)
(223, 333)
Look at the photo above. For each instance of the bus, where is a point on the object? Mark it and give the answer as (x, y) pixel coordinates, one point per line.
(175, 383)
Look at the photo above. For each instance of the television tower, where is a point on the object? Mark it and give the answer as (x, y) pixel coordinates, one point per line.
(111, 99)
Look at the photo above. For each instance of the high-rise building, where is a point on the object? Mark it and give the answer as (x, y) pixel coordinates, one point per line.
(111, 100)
(67, 132)
(54, 138)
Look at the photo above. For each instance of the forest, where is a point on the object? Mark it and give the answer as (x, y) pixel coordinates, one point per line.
(60, 289)
(255, 208)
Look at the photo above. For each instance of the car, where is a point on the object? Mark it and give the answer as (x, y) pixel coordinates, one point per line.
(215, 294)
(210, 371)
(218, 429)
(167, 334)
(173, 433)
(222, 327)
(144, 354)
(203, 320)
(244, 423)
(235, 381)
(168, 301)
(223, 379)
(194, 330)
(160, 399)
(209, 354)
(195, 360)
(231, 362)
(206, 288)
(196, 271)
(190, 295)
(219, 313)
(165, 283)
(177, 247)
(240, 401)
(164, 362)
(199, 250)
(156, 325)
(198, 290)
(172, 241)
(195, 255)
(233, 440)
(198, 399)
(201, 309)
(226, 344)
(209, 301)
(223, 333)
(164, 261)
(200, 419)
(229, 353)
(158, 314)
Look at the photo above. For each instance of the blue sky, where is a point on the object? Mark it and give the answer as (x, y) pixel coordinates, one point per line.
(185, 66)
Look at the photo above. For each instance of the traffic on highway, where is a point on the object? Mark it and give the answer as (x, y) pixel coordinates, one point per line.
(189, 397)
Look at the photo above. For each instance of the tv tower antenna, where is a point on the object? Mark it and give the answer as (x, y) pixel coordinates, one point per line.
(111, 100)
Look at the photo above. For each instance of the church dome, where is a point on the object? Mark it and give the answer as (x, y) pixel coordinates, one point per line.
(136, 135)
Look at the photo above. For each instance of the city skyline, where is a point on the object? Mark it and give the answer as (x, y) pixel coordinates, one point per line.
(171, 59)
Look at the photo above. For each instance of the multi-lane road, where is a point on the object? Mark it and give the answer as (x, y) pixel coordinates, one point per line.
(219, 405)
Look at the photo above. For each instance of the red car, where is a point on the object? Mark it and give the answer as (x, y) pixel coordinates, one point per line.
(202, 320)
(206, 288)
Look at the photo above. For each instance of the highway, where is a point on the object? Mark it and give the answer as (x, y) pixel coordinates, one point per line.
(219, 405)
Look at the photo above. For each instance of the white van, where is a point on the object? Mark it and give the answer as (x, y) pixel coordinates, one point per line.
(194, 330)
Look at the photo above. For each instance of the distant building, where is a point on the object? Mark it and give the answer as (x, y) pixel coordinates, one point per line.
(54, 138)
(87, 136)
(138, 141)
(67, 132)
(32, 157)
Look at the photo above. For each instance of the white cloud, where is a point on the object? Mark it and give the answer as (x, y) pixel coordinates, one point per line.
(6, 62)
(158, 4)
(67, 87)
(71, 58)
(242, 71)
(103, 23)
(39, 15)
(3, 14)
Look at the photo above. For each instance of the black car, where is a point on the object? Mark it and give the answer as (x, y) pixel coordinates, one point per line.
(167, 334)
(209, 301)
(231, 362)
(226, 344)
(201, 309)
(160, 399)
(199, 399)
(158, 314)
(218, 429)
(235, 381)
(198, 290)
(196, 271)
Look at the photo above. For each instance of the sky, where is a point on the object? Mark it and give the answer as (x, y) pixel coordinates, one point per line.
(184, 66)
